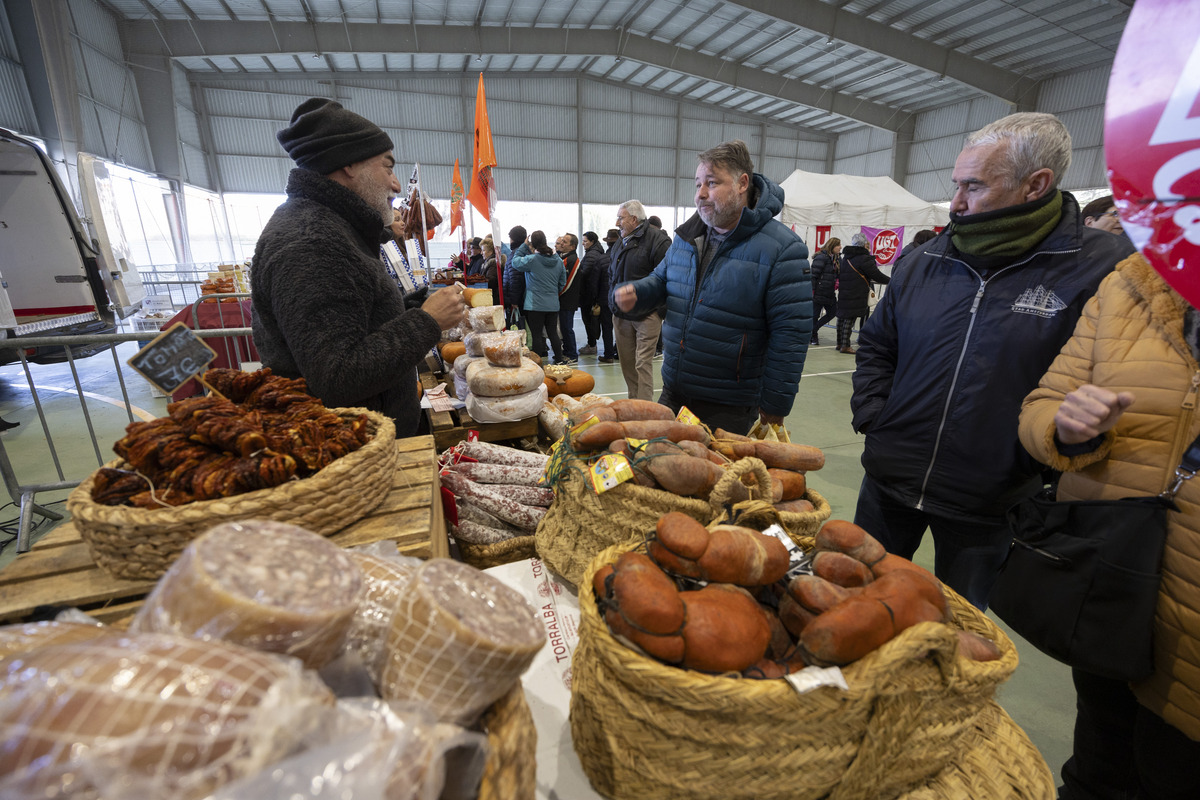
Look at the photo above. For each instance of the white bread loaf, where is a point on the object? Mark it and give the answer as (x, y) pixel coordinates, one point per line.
(266, 585)
(147, 715)
(460, 639)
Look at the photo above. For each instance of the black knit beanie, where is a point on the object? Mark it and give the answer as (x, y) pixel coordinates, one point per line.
(324, 137)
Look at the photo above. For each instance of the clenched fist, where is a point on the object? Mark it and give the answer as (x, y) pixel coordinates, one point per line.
(1088, 412)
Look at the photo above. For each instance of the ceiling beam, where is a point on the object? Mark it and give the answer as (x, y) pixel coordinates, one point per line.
(217, 79)
(223, 38)
(877, 37)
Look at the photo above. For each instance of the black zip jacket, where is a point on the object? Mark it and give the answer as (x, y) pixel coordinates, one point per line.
(947, 357)
(824, 278)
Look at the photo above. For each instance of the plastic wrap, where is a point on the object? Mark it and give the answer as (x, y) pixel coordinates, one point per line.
(488, 380)
(506, 409)
(148, 715)
(459, 641)
(385, 580)
(504, 349)
(24, 637)
(267, 585)
(486, 318)
(474, 341)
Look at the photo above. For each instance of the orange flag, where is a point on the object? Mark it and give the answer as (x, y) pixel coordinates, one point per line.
(456, 198)
(484, 157)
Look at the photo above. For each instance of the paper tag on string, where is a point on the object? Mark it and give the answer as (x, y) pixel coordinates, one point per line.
(609, 471)
(811, 678)
(687, 417)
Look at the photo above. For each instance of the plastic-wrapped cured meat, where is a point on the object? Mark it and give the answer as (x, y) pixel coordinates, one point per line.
(267, 585)
(384, 581)
(460, 640)
(23, 637)
(147, 715)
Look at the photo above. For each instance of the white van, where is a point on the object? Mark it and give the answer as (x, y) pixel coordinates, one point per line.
(55, 278)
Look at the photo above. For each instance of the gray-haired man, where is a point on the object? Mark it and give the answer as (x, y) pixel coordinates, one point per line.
(635, 256)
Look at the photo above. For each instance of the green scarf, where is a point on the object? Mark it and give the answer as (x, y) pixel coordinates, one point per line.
(1007, 232)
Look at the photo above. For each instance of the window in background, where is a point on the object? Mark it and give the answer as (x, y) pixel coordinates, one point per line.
(207, 233)
(138, 197)
(248, 215)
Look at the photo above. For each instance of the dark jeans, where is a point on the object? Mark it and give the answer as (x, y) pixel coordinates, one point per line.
(566, 325)
(735, 419)
(591, 325)
(1124, 751)
(541, 325)
(606, 327)
(967, 553)
(819, 319)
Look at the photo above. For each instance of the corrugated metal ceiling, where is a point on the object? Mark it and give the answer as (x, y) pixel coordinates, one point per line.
(819, 65)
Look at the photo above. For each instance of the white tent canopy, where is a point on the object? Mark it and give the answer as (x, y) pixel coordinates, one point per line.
(846, 202)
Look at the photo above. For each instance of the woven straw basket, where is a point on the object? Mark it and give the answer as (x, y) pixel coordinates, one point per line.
(510, 772)
(581, 523)
(140, 544)
(483, 556)
(998, 762)
(646, 730)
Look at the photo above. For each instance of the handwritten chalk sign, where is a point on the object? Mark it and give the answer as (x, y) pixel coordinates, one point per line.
(172, 358)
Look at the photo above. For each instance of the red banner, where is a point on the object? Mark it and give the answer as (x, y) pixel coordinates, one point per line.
(1152, 138)
(822, 237)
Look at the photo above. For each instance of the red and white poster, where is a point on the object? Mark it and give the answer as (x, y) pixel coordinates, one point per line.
(822, 237)
(1152, 138)
(884, 243)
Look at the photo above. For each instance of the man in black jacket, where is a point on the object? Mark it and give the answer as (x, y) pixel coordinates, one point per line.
(634, 257)
(568, 299)
(324, 308)
(970, 322)
(593, 298)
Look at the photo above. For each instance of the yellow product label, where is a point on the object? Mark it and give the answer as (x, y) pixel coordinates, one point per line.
(636, 443)
(687, 417)
(583, 426)
(609, 471)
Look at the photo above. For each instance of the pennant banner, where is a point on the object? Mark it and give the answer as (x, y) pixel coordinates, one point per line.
(456, 199)
(482, 194)
(884, 243)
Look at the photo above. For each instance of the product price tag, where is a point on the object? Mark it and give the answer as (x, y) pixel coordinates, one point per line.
(687, 417)
(811, 678)
(609, 471)
(172, 358)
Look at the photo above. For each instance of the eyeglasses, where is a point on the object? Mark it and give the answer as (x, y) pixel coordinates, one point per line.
(1112, 214)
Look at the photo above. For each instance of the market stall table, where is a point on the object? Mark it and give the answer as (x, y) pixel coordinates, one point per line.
(59, 571)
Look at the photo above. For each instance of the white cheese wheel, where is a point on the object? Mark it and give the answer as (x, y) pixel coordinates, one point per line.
(384, 582)
(462, 362)
(460, 640)
(486, 318)
(506, 409)
(474, 341)
(148, 715)
(266, 585)
(485, 378)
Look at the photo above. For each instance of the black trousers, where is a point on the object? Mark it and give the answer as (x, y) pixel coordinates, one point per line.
(1124, 751)
(735, 419)
(543, 324)
(846, 327)
(829, 307)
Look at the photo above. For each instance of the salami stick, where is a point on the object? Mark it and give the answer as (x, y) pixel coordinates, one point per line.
(498, 454)
(524, 517)
(482, 472)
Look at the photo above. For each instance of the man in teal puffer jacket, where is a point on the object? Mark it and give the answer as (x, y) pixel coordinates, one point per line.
(737, 287)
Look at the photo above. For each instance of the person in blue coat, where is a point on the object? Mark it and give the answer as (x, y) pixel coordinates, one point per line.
(544, 279)
(738, 292)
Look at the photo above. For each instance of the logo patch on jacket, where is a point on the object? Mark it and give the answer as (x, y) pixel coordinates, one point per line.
(1040, 301)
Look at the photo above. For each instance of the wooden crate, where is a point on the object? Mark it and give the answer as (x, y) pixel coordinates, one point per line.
(59, 570)
(451, 427)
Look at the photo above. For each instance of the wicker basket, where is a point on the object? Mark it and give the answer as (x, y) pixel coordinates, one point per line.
(759, 514)
(510, 772)
(646, 730)
(581, 523)
(483, 556)
(998, 762)
(140, 544)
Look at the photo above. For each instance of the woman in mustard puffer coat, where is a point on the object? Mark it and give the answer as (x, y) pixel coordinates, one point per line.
(1114, 413)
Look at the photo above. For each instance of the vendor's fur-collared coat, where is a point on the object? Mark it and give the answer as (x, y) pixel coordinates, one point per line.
(1130, 338)
(325, 308)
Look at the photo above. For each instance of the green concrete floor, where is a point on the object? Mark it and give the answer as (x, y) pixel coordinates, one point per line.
(1039, 696)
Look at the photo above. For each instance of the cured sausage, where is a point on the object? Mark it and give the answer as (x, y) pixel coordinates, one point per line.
(482, 472)
(724, 554)
(522, 516)
(841, 569)
(841, 536)
(499, 454)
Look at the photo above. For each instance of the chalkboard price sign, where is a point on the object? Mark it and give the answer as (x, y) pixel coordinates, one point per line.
(172, 358)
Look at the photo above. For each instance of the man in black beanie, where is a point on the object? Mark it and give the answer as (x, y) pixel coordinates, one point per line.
(324, 307)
